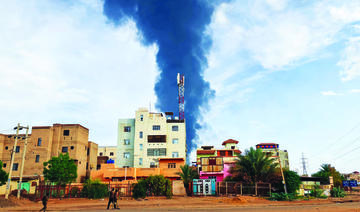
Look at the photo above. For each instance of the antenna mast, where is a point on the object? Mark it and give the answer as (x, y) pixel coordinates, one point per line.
(304, 165)
(181, 83)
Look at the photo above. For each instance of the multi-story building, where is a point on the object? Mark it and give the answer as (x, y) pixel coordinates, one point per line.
(272, 150)
(147, 138)
(216, 163)
(46, 142)
(109, 151)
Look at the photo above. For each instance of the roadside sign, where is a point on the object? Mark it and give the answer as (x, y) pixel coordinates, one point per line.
(350, 183)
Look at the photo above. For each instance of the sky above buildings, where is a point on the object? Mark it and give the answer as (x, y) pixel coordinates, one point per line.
(283, 71)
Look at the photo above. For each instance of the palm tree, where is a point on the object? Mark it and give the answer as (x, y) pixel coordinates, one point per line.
(255, 166)
(187, 174)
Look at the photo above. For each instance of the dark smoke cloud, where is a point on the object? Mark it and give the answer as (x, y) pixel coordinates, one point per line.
(178, 28)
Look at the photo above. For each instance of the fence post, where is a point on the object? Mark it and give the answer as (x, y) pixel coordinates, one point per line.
(270, 188)
(256, 189)
(241, 189)
(226, 188)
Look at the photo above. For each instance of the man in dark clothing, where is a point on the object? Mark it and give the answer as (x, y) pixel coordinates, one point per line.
(44, 202)
(111, 198)
(115, 199)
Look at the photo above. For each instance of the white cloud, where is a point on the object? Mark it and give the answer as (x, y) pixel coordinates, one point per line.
(355, 91)
(329, 93)
(350, 62)
(62, 62)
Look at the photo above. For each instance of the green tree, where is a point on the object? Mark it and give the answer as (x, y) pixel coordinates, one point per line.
(187, 175)
(327, 170)
(3, 175)
(255, 166)
(60, 170)
(156, 185)
(292, 180)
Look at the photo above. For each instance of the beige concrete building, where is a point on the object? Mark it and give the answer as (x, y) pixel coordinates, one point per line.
(109, 151)
(150, 136)
(46, 142)
(272, 149)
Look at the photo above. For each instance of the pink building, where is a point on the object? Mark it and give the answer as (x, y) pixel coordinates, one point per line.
(216, 163)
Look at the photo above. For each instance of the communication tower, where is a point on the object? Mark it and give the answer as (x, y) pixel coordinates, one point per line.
(181, 85)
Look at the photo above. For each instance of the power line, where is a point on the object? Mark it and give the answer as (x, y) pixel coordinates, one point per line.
(351, 142)
(343, 136)
(347, 153)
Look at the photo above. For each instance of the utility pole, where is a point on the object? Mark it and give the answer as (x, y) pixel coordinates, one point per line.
(304, 165)
(281, 170)
(22, 162)
(12, 162)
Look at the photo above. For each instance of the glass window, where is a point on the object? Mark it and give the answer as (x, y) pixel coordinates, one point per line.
(66, 132)
(141, 117)
(127, 129)
(4, 165)
(175, 128)
(15, 166)
(140, 134)
(127, 142)
(98, 166)
(111, 154)
(175, 154)
(6, 148)
(72, 147)
(141, 146)
(140, 161)
(65, 149)
(126, 154)
(39, 142)
(171, 165)
(17, 149)
(156, 127)
(37, 159)
(152, 165)
(175, 141)
(101, 154)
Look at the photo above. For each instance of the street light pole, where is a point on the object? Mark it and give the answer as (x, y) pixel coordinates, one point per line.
(22, 162)
(12, 162)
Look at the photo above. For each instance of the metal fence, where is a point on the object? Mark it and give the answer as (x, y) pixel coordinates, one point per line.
(237, 188)
(75, 191)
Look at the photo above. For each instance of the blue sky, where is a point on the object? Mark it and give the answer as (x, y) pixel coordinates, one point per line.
(283, 71)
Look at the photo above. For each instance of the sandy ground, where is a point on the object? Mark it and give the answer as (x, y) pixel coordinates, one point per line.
(242, 203)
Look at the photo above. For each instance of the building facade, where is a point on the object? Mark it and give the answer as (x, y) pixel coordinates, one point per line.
(272, 149)
(46, 142)
(216, 163)
(110, 151)
(149, 137)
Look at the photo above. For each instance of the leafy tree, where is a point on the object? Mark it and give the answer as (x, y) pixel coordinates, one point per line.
(292, 180)
(3, 175)
(60, 170)
(255, 166)
(156, 185)
(187, 175)
(327, 170)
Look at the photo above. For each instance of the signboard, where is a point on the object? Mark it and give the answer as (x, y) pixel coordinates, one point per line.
(350, 183)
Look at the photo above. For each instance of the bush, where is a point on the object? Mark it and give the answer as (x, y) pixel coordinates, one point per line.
(317, 192)
(337, 192)
(156, 185)
(94, 189)
(74, 192)
(282, 196)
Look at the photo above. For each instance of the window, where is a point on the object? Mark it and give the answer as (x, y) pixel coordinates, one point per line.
(222, 153)
(111, 154)
(141, 146)
(39, 142)
(17, 149)
(64, 149)
(156, 152)
(175, 128)
(127, 129)
(126, 142)
(140, 134)
(140, 161)
(152, 165)
(15, 166)
(175, 141)
(66, 132)
(126, 166)
(87, 165)
(101, 154)
(212, 177)
(98, 166)
(72, 147)
(171, 165)
(212, 161)
(156, 127)
(141, 117)
(156, 139)
(175, 154)
(6, 148)
(4, 165)
(126, 155)
(232, 147)
(37, 159)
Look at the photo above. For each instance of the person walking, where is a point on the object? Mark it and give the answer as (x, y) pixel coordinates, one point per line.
(44, 202)
(111, 198)
(115, 199)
